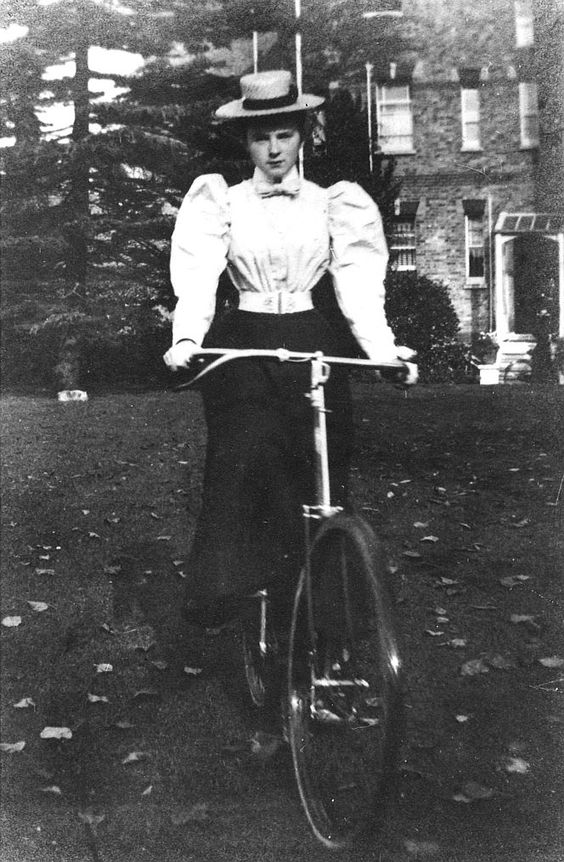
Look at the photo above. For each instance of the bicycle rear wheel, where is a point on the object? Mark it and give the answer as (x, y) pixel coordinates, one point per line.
(259, 646)
(344, 706)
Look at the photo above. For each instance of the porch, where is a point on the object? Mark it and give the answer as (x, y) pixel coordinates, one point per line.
(528, 295)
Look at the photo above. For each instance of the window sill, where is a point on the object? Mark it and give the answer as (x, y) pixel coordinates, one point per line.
(473, 284)
(397, 152)
(531, 146)
(468, 148)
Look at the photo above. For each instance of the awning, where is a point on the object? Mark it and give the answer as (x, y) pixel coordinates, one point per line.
(545, 223)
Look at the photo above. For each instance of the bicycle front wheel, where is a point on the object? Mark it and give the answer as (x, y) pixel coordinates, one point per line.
(344, 697)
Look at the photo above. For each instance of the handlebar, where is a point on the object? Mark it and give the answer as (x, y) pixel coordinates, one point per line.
(282, 355)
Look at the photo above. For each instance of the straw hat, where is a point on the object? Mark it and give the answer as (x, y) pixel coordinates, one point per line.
(266, 93)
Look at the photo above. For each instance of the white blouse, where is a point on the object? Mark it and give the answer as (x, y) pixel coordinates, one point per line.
(281, 243)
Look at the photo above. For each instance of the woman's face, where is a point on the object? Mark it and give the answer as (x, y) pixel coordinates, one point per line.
(273, 144)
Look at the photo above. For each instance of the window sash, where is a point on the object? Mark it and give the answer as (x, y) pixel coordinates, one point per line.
(475, 250)
(402, 245)
(528, 114)
(470, 110)
(395, 119)
(524, 24)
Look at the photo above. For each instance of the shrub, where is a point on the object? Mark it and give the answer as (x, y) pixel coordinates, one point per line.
(422, 316)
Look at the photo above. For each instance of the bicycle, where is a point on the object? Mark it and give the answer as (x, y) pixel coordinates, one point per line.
(341, 700)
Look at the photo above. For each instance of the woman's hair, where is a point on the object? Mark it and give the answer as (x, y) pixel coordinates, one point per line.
(238, 128)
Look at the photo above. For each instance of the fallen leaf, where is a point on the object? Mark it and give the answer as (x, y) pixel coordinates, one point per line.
(433, 634)
(514, 580)
(440, 611)
(146, 692)
(90, 818)
(421, 524)
(12, 747)
(155, 516)
(44, 571)
(112, 570)
(466, 526)
(52, 788)
(164, 538)
(459, 797)
(112, 520)
(160, 665)
(442, 620)
(93, 535)
(458, 643)
(447, 582)
(38, 606)
(178, 562)
(552, 661)
(420, 848)
(193, 671)
(24, 703)
(104, 667)
(522, 618)
(473, 790)
(11, 622)
(135, 757)
(85, 511)
(514, 469)
(97, 698)
(429, 539)
(148, 790)
(522, 523)
(56, 733)
(517, 765)
(123, 725)
(501, 662)
(473, 667)
(196, 813)
(462, 719)
(390, 494)
(412, 554)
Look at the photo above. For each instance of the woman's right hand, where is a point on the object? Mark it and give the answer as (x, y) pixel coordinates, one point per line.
(180, 355)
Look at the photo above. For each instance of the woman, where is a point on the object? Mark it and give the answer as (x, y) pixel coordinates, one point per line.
(277, 235)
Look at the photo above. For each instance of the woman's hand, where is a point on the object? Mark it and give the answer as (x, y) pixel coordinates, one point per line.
(180, 355)
(408, 356)
(407, 377)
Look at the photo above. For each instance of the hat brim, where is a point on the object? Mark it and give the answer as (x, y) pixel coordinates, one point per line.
(235, 110)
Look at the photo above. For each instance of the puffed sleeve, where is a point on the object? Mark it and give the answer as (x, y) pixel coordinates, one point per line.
(198, 255)
(359, 257)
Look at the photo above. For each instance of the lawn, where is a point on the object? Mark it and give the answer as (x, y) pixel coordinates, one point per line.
(463, 484)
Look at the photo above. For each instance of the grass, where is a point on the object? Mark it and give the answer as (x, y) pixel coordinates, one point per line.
(99, 503)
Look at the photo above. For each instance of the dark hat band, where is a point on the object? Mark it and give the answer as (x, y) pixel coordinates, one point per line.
(268, 104)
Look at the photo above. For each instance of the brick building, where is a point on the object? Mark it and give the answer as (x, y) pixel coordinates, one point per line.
(472, 108)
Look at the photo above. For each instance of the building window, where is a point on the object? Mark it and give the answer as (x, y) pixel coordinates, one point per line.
(401, 240)
(529, 114)
(524, 24)
(475, 240)
(470, 108)
(395, 120)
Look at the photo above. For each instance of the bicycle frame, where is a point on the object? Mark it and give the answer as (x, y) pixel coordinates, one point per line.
(320, 365)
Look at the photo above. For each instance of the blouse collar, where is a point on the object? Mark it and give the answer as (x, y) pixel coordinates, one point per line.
(290, 184)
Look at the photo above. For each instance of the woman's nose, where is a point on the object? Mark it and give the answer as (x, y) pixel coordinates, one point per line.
(273, 145)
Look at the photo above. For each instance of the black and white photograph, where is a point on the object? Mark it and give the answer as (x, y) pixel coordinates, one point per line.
(282, 376)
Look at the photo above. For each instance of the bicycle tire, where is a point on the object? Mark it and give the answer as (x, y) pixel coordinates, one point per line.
(259, 668)
(343, 770)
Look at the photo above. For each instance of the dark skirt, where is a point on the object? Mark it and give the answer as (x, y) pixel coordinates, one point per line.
(258, 470)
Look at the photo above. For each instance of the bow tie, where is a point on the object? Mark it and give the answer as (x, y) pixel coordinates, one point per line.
(271, 190)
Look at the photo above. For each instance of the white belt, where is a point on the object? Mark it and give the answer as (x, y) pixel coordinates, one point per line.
(277, 302)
